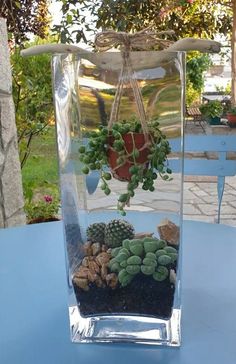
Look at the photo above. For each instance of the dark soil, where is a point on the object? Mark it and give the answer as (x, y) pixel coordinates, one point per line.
(41, 219)
(143, 296)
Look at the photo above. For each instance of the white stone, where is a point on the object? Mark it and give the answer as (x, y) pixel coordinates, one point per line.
(208, 209)
(163, 205)
(2, 219)
(200, 193)
(11, 194)
(8, 126)
(16, 220)
(5, 67)
(190, 209)
(228, 210)
(1, 159)
(11, 183)
(232, 201)
(214, 199)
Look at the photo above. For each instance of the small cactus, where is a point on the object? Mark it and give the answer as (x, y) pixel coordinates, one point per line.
(149, 256)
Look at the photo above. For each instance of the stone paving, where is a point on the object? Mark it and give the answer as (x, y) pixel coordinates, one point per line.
(200, 193)
(200, 196)
(201, 203)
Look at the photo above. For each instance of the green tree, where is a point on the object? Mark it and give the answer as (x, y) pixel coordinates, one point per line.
(188, 18)
(196, 65)
(32, 96)
(201, 18)
(24, 17)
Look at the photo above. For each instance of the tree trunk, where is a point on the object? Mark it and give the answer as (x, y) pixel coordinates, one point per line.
(233, 57)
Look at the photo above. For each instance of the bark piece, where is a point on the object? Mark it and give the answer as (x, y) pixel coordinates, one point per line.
(169, 231)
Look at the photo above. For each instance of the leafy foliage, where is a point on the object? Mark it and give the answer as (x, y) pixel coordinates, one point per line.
(196, 65)
(45, 208)
(24, 17)
(32, 96)
(206, 17)
(212, 109)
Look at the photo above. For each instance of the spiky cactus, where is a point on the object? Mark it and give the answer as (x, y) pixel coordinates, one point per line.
(116, 231)
(95, 232)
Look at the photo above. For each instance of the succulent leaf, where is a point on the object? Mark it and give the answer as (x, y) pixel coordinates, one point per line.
(133, 269)
(151, 256)
(147, 269)
(125, 243)
(115, 252)
(137, 249)
(122, 256)
(174, 257)
(124, 277)
(161, 244)
(115, 267)
(160, 252)
(125, 251)
(150, 262)
(135, 259)
(150, 246)
(170, 249)
(164, 260)
(123, 264)
(161, 274)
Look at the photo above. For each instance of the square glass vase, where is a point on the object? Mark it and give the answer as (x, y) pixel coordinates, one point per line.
(123, 254)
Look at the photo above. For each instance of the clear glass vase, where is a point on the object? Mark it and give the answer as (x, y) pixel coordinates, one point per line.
(124, 272)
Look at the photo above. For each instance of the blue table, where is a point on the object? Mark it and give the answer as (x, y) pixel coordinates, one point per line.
(34, 327)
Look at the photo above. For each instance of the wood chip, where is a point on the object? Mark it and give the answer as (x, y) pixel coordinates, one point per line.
(96, 248)
(87, 248)
(169, 231)
(103, 258)
(112, 280)
(82, 272)
(93, 267)
(81, 283)
(103, 272)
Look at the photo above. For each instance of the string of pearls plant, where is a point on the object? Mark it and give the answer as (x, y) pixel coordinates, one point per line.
(95, 156)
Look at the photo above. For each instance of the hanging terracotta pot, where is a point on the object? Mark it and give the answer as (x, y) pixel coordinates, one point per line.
(132, 141)
(231, 120)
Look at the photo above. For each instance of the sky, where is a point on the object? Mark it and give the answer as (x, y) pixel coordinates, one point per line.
(56, 15)
(54, 10)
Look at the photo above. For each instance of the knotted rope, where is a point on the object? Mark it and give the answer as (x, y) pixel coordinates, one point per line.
(144, 40)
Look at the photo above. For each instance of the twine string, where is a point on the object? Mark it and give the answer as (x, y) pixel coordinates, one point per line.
(144, 40)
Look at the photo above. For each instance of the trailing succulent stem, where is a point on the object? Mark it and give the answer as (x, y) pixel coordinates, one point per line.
(94, 156)
(149, 256)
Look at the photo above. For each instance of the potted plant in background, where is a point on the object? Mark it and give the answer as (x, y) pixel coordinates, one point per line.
(212, 111)
(43, 210)
(231, 116)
